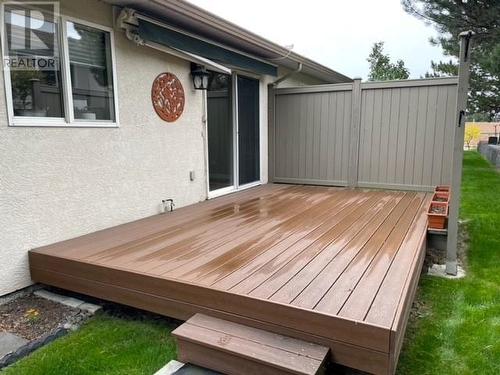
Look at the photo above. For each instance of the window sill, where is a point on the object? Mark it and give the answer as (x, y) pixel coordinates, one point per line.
(50, 123)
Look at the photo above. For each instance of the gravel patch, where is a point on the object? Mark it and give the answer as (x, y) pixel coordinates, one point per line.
(36, 320)
(436, 256)
(31, 317)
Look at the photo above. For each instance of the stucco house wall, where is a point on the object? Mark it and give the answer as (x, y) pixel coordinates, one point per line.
(60, 183)
(297, 79)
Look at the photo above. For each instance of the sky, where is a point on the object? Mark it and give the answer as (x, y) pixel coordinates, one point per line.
(336, 33)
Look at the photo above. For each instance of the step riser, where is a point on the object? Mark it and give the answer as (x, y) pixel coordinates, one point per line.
(224, 362)
(232, 348)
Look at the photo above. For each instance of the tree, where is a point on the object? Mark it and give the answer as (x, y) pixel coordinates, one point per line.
(442, 69)
(381, 68)
(472, 133)
(450, 17)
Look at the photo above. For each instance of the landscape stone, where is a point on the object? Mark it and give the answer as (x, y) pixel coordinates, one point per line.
(10, 343)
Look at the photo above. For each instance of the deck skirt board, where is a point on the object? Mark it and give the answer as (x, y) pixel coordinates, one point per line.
(374, 337)
(336, 265)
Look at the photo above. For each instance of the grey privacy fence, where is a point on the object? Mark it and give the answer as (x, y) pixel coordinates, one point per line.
(396, 134)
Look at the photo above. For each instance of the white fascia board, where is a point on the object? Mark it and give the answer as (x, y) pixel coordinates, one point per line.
(212, 65)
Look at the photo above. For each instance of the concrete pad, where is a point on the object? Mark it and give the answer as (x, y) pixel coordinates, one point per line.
(10, 343)
(89, 307)
(439, 270)
(42, 293)
(169, 368)
(72, 302)
(189, 369)
(178, 368)
(67, 301)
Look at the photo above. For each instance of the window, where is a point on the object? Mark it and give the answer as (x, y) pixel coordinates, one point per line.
(91, 72)
(58, 71)
(35, 92)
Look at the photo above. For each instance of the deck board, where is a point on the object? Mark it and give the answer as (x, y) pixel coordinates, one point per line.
(283, 252)
(290, 269)
(305, 276)
(329, 265)
(227, 236)
(361, 298)
(310, 243)
(327, 276)
(296, 229)
(261, 235)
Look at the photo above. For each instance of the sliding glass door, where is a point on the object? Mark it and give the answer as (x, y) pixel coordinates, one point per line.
(220, 132)
(248, 130)
(233, 132)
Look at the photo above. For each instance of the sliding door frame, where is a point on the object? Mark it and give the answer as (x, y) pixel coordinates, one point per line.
(236, 173)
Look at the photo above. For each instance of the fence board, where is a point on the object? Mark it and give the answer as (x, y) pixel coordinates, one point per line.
(405, 134)
(402, 124)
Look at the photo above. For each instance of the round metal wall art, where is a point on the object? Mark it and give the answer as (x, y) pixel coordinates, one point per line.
(167, 95)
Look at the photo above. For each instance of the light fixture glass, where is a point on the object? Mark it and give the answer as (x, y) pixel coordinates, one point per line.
(200, 77)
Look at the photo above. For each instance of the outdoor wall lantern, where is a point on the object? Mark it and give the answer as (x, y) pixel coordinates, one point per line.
(200, 76)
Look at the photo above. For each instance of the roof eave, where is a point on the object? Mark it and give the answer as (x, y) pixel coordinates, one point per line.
(207, 23)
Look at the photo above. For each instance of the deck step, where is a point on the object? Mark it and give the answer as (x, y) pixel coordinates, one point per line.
(233, 348)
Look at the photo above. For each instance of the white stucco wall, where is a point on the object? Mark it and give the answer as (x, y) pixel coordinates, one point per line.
(297, 79)
(60, 183)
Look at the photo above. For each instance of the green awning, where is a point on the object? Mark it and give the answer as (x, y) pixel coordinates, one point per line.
(170, 38)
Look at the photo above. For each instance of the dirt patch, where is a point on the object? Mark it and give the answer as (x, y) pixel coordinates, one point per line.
(434, 256)
(440, 210)
(32, 317)
(440, 199)
(419, 308)
(437, 256)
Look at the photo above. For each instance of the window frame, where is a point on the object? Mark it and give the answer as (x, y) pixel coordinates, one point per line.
(68, 121)
(66, 70)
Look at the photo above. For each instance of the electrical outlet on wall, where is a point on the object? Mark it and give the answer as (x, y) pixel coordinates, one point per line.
(191, 175)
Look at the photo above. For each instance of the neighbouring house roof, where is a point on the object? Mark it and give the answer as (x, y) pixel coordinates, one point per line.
(196, 20)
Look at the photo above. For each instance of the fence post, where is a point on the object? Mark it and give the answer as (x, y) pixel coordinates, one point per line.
(271, 118)
(458, 150)
(354, 133)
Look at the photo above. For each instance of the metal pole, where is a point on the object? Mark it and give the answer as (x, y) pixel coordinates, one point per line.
(458, 150)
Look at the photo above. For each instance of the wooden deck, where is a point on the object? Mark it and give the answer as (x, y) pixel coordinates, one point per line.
(333, 266)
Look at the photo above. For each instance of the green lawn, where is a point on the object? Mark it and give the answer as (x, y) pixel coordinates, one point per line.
(104, 345)
(459, 332)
